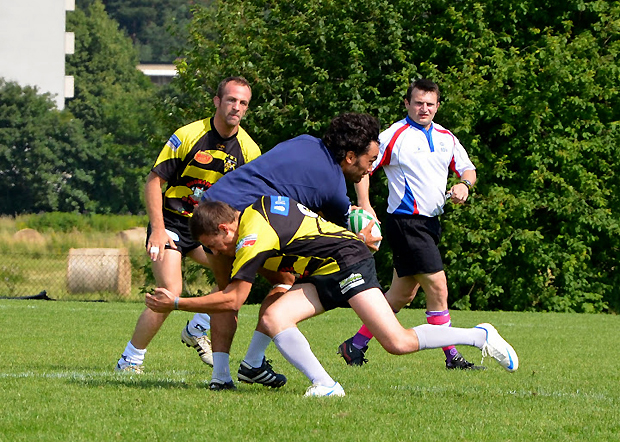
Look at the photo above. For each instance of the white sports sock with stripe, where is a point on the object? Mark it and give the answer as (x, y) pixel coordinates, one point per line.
(132, 355)
(199, 325)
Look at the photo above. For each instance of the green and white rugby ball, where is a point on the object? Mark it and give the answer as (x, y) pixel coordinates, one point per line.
(359, 218)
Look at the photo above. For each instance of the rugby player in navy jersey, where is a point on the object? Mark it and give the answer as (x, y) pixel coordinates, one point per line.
(312, 171)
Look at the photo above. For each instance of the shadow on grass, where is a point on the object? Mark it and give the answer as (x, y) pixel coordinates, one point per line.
(142, 383)
(138, 382)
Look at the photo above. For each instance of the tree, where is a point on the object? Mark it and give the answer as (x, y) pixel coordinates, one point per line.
(530, 90)
(116, 103)
(157, 28)
(46, 162)
(542, 233)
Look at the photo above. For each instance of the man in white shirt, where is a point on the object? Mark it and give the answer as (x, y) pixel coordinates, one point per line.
(417, 155)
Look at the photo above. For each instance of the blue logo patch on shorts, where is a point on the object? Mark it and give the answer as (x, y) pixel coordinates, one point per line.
(280, 205)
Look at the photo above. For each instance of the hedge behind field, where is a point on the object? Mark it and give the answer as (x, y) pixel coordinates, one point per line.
(531, 90)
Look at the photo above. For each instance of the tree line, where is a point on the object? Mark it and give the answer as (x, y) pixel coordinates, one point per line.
(531, 91)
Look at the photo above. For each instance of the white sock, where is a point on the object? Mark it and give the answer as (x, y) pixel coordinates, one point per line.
(295, 348)
(199, 325)
(256, 350)
(132, 354)
(221, 367)
(438, 336)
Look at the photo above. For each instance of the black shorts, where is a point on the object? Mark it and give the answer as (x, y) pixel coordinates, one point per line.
(177, 227)
(337, 288)
(413, 240)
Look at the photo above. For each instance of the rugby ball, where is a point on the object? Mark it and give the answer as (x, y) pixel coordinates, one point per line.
(358, 219)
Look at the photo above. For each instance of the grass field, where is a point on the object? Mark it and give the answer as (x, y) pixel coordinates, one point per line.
(57, 383)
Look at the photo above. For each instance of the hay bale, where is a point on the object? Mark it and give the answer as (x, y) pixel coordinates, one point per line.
(99, 270)
(136, 235)
(29, 235)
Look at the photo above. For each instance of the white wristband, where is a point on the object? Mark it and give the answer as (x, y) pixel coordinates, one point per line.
(363, 236)
(176, 303)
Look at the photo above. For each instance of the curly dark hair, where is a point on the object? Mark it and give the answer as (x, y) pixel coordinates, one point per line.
(351, 132)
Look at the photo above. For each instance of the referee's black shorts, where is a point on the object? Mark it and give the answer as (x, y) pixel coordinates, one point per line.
(413, 240)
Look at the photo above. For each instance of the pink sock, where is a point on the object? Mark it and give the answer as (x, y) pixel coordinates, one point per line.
(442, 318)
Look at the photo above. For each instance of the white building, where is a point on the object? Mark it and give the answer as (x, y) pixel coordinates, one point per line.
(159, 74)
(33, 45)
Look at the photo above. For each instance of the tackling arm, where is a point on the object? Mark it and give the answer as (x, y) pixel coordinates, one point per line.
(227, 300)
(363, 195)
(363, 199)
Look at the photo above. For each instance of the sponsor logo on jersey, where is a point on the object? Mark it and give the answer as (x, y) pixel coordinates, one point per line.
(220, 146)
(203, 157)
(280, 205)
(246, 241)
(173, 142)
(196, 196)
(353, 280)
(198, 182)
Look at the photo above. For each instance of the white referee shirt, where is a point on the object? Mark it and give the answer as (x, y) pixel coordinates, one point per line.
(416, 163)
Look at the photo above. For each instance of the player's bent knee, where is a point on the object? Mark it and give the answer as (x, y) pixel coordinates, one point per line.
(273, 323)
(401, 345)
(394, 349)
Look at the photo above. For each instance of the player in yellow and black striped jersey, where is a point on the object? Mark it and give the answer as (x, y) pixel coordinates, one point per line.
(195, 157)
(336, 269)
(282, 235)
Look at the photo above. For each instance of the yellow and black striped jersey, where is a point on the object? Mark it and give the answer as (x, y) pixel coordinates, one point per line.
(194, 158)
(280, 234)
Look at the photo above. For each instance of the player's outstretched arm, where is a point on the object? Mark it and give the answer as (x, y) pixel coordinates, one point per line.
(230, 299)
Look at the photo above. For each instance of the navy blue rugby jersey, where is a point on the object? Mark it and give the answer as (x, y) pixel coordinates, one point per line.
(301, 168)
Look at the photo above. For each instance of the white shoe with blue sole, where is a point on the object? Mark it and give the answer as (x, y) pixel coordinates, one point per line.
(323, 391)
(500, 350)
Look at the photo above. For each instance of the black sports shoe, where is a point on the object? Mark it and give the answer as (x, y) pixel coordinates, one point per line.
(219, 386)
(262, 375)
(458, 362)
(351, 354)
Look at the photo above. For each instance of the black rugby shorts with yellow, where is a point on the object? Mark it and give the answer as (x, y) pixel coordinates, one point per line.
(177, 226)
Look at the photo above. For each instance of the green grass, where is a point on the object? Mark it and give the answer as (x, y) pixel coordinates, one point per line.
(56, 383)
